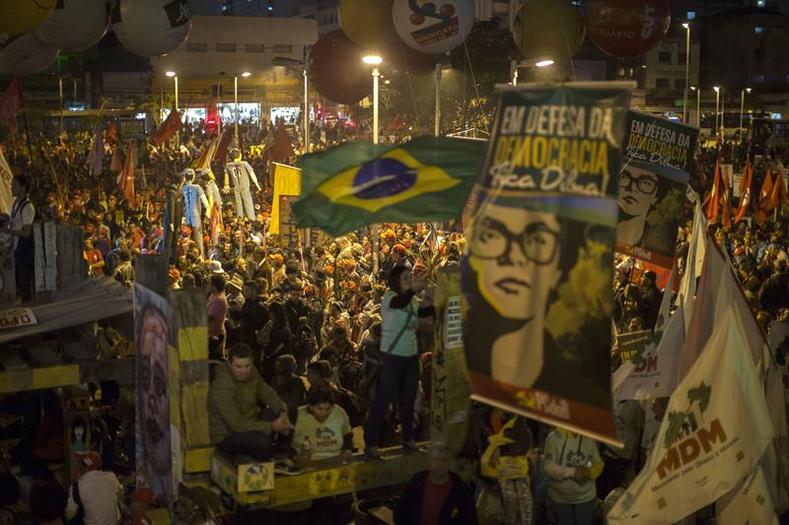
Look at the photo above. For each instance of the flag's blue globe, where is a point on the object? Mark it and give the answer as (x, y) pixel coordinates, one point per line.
(383, 177)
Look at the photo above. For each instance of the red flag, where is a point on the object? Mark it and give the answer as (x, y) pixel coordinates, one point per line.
(116, 164)
(126, 176)
(745, 192)
(282, 149)
(764, 197)
(224, 144)
(714, 198)
(726, 212)
(10, 104)
(778, 194)
(171, 125)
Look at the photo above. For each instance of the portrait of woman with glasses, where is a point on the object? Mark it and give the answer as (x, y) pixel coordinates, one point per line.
(515, 262)
(640, 191)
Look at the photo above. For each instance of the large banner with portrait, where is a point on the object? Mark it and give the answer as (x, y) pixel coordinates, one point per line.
(652, 182)
(538, 270)
(153, 430)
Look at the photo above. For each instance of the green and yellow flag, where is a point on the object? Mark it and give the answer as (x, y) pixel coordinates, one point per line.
(357, 184)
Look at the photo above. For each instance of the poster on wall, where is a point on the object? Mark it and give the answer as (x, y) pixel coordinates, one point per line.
(652, 182)
(154, 430)
(538, 267)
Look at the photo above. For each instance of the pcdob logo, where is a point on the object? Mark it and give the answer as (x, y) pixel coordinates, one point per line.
(689, 435)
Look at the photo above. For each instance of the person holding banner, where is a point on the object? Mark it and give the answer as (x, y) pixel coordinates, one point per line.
(400, 368)
(572, 464)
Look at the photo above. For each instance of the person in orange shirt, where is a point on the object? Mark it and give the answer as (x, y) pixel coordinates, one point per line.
(95, 260)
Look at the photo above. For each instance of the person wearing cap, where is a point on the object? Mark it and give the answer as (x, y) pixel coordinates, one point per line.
(95, 494)
(242, 174)
(194, 196)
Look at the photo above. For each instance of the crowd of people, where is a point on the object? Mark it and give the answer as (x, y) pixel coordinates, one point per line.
(315, 336)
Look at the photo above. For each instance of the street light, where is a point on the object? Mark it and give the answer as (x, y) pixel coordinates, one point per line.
(245, 74)
(174, 76)
(515, 66)
(305, 117)
(717, 106)
(686, 25)
(698, 105)
(440, 67)
(742, 104)
(375, 61)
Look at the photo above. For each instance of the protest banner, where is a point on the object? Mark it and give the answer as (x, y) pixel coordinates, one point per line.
(750, 502)
(450, 388)
(537, 272)
(715, 430)
(652, 183)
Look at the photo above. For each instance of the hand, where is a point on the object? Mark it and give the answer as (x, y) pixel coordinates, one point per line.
(282, 424)
(346, 456)
(226, 190)
(581, 474)
(418, 284)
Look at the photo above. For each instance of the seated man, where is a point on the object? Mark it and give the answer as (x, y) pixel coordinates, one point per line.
(322, 428)
(246, 416)
(436, 495)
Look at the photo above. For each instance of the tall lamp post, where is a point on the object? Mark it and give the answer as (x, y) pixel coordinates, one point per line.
(686, 25)
(174, 76)
(374, 61)
(245, 74)
(742, 107)
(717, 107)
(698, 104)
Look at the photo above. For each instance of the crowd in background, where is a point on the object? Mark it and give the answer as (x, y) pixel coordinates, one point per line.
(310, 309)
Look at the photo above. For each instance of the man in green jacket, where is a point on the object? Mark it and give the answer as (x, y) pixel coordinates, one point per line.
(245, 414)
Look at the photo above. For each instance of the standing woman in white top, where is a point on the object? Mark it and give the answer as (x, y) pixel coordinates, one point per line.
(22, 215)
(399, 372)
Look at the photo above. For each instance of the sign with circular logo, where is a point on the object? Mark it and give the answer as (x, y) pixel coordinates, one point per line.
(435, 26)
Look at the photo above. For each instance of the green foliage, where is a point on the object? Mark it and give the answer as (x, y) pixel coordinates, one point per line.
(675, 422)
(701, 395)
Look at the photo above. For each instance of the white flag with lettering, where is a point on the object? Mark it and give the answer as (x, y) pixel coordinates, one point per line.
(654, 373)
(715, 430)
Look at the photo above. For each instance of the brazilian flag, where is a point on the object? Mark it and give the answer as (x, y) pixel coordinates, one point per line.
(358, 183)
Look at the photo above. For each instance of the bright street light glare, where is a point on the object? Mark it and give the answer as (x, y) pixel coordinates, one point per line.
(693, 88)
(686, 25)
(245, 74)
(544, 63)
(372, 60)
(170, 74)
(716, 88)
(747, 90)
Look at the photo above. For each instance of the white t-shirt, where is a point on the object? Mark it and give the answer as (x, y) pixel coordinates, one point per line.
(99, 491)
(22, 214)
(325, 438)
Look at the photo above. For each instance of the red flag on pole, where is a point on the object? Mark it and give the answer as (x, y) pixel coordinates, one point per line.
(778, 193)
(714, 198)
(726, 211)
(126, 176)
(10, 104)
(764, 197)
(745, 192)
(171, 125)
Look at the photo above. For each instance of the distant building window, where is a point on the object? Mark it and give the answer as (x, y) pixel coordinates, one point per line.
(222, 47)
(664, 57)
(280, 48)
(759, 79)
(679, 83)
(691, 15)
(758, 30)
(663, 83)
(254, 48)
(196, 47)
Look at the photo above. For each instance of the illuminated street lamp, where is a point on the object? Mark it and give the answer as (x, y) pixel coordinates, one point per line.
(174, 76)
(375, 61)
(245, 74)
(686, 25)
(742, 103)
(698, 105)
(515, 66)
(717, 106)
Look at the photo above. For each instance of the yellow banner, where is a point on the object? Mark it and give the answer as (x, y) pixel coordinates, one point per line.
(287, 181)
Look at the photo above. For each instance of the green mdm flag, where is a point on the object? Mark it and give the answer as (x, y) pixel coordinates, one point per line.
(357, 184)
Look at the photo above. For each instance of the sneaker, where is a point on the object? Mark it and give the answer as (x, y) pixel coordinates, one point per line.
(371, 453)
(410, 447)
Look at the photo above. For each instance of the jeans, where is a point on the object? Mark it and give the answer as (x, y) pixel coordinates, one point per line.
(23, 265)
(399, 374)
(573, 514)
(259, 445)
